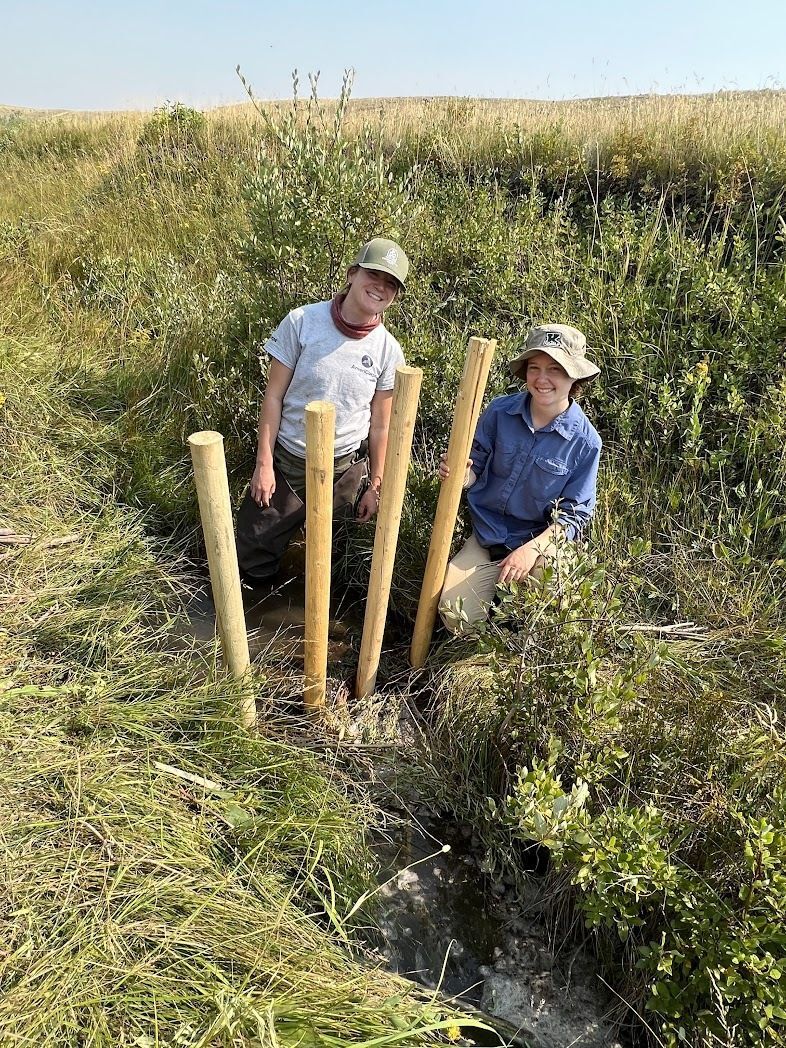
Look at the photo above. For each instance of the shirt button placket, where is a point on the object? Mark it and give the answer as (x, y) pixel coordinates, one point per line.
(521, 461)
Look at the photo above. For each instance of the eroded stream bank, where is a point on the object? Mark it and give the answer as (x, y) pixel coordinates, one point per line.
(439, 919)
(444, 923)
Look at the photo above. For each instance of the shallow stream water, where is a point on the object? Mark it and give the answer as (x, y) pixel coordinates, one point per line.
(439, 921)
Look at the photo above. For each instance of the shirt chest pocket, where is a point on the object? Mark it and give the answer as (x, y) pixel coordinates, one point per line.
(549, 478)
(505, 459)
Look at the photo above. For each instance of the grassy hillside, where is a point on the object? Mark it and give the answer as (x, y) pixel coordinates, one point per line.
(633, 722)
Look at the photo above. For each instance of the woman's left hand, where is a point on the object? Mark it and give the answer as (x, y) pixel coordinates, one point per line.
(368, 505)
(518, 564)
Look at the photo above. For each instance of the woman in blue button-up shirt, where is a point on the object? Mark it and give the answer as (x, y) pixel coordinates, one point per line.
(531, 476)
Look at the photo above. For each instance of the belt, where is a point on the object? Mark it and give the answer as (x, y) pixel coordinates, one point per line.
(294, 467)
(498, 552)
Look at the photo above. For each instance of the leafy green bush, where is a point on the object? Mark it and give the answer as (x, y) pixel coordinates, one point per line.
(172, 128)
(649, 786)
(170, 149)
(714, 964)
(316, 195)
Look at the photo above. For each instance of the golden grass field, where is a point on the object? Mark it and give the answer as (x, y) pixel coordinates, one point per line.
(711, 118)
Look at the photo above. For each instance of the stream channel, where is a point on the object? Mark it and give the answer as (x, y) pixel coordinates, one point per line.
(439, 918)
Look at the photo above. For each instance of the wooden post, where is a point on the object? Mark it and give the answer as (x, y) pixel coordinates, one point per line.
(406, 393)
(320, 440)
(210, 476)
(470, 397)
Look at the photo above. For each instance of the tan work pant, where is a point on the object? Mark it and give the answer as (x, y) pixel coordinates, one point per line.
(471, 579)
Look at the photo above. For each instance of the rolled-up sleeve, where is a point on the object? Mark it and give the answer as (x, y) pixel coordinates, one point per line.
(576, 505)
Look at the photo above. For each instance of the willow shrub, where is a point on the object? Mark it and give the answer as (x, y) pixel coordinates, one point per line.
(652, 773)
(314, 197)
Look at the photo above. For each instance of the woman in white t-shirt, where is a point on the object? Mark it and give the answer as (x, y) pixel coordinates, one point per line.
(339, 351)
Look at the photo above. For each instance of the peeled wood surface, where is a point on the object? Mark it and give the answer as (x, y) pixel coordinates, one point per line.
(320, 441)
(210, 476)
(406, 393)
(470, 396)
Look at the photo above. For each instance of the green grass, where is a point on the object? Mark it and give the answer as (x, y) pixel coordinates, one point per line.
(168, 878)
(141, 263)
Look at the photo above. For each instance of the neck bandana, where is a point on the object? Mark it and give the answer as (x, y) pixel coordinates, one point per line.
(350, 330)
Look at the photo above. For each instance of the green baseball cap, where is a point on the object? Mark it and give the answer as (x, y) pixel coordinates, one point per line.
(386, 256)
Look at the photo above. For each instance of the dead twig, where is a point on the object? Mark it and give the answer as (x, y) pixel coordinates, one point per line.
(12, 538)
(687, 630)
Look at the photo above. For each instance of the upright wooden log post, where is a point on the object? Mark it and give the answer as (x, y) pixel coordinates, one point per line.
(470, 395)
(210, 476)
(320, 440)
(406, 393)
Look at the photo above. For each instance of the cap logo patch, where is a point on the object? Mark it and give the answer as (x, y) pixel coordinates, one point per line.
(553, 338)
(391, 256)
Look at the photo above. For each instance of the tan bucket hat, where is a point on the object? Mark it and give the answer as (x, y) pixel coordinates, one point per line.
(562, 343)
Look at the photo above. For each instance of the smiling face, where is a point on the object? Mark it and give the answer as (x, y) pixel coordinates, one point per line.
(370, 293)
(549, 384)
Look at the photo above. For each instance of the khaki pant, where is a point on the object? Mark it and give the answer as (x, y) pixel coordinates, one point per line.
(471, 579)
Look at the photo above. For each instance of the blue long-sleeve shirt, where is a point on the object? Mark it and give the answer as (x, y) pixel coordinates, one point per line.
(523, 472)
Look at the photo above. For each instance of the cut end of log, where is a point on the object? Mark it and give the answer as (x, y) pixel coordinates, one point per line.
(205, 438)
(320, 407)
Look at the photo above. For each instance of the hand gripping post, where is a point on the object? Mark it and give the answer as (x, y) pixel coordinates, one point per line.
(470, 396)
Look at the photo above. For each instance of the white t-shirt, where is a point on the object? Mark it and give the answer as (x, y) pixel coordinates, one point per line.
(329, 366)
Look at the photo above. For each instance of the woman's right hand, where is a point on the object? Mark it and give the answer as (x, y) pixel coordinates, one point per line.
(444, 469)
(263, 484)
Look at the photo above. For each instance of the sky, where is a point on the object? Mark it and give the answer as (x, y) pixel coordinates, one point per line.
(119, 54)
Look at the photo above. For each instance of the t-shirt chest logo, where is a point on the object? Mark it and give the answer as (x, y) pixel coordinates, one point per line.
(365, 365)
